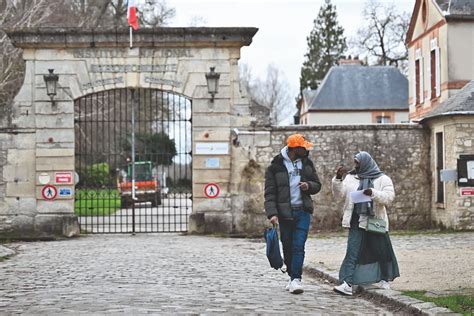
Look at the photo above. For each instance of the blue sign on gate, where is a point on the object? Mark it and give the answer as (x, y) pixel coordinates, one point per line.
(65, 192)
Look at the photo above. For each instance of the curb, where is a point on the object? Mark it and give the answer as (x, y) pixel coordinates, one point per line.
(392, 297)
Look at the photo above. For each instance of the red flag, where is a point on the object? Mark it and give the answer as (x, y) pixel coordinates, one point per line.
(132, 14)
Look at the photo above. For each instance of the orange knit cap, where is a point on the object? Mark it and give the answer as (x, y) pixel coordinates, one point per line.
(298, 140)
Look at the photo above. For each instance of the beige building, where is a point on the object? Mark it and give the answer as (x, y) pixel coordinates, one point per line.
(452, 151)
(441, 48)
(356, 94)
(441, 67)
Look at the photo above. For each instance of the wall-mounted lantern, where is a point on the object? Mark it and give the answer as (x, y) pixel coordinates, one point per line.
(212, 79)
(51, 81)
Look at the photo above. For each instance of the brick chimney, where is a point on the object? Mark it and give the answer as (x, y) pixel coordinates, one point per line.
(350, 61)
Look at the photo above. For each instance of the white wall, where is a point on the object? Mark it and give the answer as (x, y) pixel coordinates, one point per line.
(461, 51)
(335, 118)
(401, 117)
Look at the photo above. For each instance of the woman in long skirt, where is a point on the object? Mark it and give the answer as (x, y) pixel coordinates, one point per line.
(369, 256)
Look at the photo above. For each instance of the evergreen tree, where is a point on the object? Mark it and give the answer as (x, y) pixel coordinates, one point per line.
(326, 44)
(158, 148)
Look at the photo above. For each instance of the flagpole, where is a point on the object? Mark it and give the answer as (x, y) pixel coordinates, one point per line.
(131, 36)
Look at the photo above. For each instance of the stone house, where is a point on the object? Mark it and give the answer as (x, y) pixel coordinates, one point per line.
(452, 133)
(441, 95)
(356, 94)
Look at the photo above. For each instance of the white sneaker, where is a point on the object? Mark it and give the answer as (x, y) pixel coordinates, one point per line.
(296, 287)
(287, 287)
(344, 289)
(384, 285)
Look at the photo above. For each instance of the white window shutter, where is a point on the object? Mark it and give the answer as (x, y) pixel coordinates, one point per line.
(428, 76)
(422, 81)
(438, 72)
(414, 83)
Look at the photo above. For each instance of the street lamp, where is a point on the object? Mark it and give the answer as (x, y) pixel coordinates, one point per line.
(51, 81)
(212, 79)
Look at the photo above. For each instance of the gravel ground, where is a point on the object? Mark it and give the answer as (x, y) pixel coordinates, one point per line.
(433, 262)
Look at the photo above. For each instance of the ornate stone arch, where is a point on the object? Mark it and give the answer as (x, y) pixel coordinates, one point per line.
(90, 61)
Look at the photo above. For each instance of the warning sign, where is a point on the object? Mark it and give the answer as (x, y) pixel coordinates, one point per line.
(467, 191)
(211, 190)
(63, 177)
(49, 192)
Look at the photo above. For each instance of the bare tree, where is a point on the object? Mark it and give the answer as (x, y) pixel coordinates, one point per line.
(16, 13)
(382, 38)
(197, 20)
(61, 13)
(272, 93)
(110, 13)
(157, 13)
(246, 79)
(23, 13)
(275, 96)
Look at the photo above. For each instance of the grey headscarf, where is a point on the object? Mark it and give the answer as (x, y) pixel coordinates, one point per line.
(368, 171)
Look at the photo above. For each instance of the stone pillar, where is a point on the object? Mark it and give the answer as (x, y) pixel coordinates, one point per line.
(211, 148)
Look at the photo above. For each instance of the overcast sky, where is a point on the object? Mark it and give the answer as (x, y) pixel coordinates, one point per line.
(283, 27)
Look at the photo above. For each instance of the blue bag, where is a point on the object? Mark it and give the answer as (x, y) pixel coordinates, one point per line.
(273, 248)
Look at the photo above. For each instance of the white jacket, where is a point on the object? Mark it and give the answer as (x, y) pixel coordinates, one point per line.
(382, 196)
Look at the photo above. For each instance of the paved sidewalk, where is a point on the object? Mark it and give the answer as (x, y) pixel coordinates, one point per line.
(438, 263)
(158, 274)
(427, 261)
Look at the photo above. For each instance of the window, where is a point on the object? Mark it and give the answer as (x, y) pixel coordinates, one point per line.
(435, 70)
(418, 78)
(433, 74)
(383, 119)
(439, 167)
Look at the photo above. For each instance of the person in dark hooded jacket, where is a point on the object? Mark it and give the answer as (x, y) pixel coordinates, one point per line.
(290, 180)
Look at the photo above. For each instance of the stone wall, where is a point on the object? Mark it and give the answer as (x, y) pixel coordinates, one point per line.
(402, 152)
(20, 217)
(463, 143)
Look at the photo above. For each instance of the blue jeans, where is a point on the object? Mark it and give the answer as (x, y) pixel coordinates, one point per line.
(293, 235)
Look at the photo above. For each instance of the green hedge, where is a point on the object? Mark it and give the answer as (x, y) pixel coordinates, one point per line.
(92, 202)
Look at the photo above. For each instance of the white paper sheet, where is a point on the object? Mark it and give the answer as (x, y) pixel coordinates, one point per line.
(359, 197)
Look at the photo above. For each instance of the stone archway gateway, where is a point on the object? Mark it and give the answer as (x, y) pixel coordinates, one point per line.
(96, 68)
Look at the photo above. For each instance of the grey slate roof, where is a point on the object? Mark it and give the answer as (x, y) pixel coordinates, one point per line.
(308, 96)
(457, 8)
(462, 103)
(353, 87)
(443, 4)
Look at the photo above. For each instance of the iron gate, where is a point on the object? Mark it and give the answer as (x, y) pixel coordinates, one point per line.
(108, 126)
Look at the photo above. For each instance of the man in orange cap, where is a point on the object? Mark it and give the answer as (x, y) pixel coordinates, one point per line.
(290, 180)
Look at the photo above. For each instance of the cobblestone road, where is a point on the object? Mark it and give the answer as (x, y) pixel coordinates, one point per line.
(157, 274)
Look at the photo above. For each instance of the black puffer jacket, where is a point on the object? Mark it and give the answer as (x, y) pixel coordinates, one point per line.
(277, 187)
